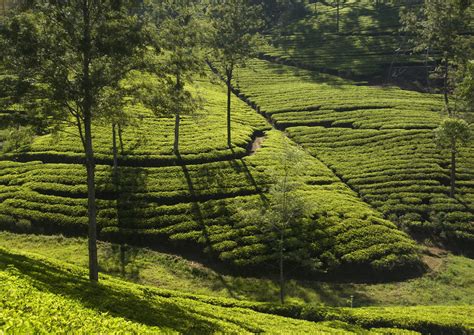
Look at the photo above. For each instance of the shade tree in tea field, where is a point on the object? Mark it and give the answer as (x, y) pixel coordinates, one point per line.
(234, 24)
(452, 134)
(440, 27)
(70, 57)
(181, 34)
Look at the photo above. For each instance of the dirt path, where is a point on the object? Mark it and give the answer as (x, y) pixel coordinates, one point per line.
(256, 144)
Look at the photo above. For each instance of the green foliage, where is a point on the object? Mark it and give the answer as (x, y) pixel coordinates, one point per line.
(25, 309)
(18, 139)
(452, 132)
(378, 140)
(198, 204)
(437, 25)
(47, 295)
(466, 91)
(234, 24)
(451, 281)
(366, 46)
(440, 26)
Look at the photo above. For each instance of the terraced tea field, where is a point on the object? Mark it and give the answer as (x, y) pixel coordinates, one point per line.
(378, 140)
(368, 43)
(162, 200)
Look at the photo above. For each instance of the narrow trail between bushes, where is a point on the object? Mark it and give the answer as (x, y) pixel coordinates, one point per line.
(256, 144)
(257, 108)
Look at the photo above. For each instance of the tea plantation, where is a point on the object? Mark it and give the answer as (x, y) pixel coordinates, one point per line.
(385, 247)
(377, 140)
(41, 295)
(195, 205)
(365, 38)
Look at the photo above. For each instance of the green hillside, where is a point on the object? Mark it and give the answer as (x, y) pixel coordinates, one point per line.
(195, 206)
(368, 43)
(43, 296)
(377, 140)
(449, 281)
(310, 193)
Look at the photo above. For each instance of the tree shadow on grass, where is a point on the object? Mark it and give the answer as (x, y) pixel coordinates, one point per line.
(117, 301)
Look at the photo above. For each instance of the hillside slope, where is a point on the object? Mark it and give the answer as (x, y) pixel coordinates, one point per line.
(363, 34)
(190, 202)
(378, 140)
(43, 296)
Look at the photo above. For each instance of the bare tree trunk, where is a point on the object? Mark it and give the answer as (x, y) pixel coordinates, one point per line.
(176, 133)
(120, 132)
(89, 150)
(453, 173)
(114, 149)
(177, 119)
(445, 89)
(229, 92)
(337, 16)
(282, 278)
(91, 205)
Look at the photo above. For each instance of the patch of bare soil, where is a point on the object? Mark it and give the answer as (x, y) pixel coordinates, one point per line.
(256, 144)
(434, 258)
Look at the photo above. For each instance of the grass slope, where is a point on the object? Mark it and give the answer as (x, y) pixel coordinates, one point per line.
(47, 296)
(450, 281)
(378, 140)
(56, 292)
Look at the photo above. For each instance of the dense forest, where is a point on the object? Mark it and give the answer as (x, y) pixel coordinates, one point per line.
(237, 166)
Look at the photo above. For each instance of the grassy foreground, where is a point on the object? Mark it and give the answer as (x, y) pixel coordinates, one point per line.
(42, 295)
(450, 282)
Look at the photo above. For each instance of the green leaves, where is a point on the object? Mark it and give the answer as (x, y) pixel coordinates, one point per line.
(235, 24)
(452, 132)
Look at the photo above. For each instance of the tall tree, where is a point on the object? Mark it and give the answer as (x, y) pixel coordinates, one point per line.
(465, 92)
(440, 26)
(233, 41)
(64, 54)
(451, 134)
(182, 35)
(285, 217)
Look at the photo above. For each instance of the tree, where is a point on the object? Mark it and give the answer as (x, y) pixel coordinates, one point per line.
(65, 56)
(440, 26)
(465, 91)
(451, 134)
(285, 217)
(181, 35)
(233, 41)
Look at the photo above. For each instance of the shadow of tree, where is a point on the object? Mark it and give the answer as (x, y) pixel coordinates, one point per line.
(113, 299)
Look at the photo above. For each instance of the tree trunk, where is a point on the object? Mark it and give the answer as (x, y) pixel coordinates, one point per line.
(114, 149)
(120, 131)
(337, 16)
(445, 88)
(91, 205)
(282, 278)
(176, 133)
(122, 248)
(453, 173)
(89, 150)
(229, 92)
(177, 118)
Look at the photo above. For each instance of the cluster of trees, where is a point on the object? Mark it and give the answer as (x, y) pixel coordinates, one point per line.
(443, 28)
(76, 63)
